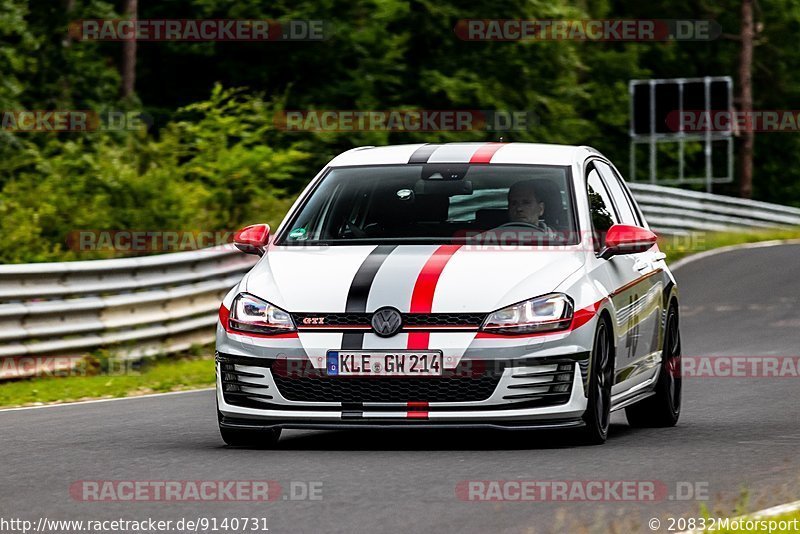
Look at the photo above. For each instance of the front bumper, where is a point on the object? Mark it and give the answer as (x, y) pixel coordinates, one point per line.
(249, 424)
(249, 396)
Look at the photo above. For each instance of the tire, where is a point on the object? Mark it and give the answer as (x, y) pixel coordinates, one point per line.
(598, 412)
(251, 439)
(664, 408)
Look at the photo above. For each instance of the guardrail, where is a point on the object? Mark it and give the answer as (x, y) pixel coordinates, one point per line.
(678, 211)
(167, 303)
(51, 314)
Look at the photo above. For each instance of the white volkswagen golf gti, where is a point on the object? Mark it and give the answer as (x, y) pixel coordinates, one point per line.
(463, 285)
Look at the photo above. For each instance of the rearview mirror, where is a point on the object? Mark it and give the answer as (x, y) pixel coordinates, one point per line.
(252, 239)
(627, 239)
(443, 187)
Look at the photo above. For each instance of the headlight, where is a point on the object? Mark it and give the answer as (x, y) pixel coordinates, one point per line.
(251, 314)
(541, 314)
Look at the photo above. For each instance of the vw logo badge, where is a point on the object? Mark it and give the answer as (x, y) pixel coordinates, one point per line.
(386, 322)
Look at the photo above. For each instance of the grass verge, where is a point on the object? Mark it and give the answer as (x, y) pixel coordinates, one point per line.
(677, 247)
(151, 376)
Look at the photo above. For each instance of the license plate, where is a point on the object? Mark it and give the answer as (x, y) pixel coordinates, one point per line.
(365, 363)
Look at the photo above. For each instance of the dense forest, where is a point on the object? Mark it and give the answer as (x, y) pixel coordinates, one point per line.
(209, 156)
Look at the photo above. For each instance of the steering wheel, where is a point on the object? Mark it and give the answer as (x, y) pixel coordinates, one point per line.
(521, 223)
(356, 231)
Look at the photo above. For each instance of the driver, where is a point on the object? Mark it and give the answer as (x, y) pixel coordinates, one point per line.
(525, 208)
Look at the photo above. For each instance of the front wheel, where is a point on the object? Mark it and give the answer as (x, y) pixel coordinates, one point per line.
(664, 407)
(598, 412)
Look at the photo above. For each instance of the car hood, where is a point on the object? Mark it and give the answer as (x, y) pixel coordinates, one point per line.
(438, 278)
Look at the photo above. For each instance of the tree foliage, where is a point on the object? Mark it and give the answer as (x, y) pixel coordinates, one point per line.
(212, 158)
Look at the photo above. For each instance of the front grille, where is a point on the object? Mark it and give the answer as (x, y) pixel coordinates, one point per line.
(413, 320)
(443, 319)
(470, 381)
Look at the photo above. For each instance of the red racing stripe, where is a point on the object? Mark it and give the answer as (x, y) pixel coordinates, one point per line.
(484, 154)
(424, 288)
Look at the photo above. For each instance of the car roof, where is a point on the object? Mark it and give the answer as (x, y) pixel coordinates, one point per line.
(519, 153)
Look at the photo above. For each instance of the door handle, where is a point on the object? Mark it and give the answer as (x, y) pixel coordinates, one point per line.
(642, 265)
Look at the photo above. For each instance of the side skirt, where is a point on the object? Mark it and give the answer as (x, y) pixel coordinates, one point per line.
(618, 404)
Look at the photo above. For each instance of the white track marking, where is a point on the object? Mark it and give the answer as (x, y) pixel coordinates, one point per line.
(95, 401)
(714, 251)
(780, 509)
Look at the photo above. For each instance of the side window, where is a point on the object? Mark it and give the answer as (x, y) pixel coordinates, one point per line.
(601, 207)
(627, 214)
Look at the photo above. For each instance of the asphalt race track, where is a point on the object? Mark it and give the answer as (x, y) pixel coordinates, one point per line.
(734, 433)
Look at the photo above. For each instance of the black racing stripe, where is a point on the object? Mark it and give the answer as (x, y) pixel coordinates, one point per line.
(362, 281)
(352, 341)
(352, 410)
(359, 291)
(423, 153)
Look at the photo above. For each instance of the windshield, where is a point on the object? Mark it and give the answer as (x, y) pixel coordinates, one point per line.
(437, 203)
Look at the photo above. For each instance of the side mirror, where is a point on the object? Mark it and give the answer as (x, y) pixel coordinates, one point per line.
(252, 239)
(627, 239)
